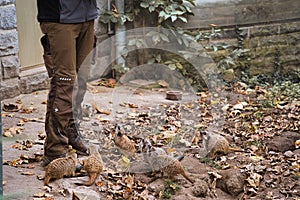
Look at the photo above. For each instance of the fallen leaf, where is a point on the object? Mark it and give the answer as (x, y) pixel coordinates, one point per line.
(254, 180)
(132, 105)
(162, 83)
(99, 183)
(40, 194)
(99, 110)
(11, 107)
(27, 173)
(21, 123)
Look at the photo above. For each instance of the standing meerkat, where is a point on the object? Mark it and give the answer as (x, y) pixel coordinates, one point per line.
(61, 167)
(126, 146)
(93, 165)
(216, 144)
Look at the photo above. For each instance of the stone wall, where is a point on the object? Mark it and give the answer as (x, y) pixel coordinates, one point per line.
(9, 61)
(270, 29)
(14, 81)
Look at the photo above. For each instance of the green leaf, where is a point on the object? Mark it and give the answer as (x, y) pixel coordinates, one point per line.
(183, 19)
(179, 65)
(177, 12)
(139, 44)
(162, 14)
(173, 18)
(156, 39)
(151, 9)
(164, 37)
(215, 48)
(151, 61)
(144, 4)
(158, 58)
(131, 42)
(172, 66)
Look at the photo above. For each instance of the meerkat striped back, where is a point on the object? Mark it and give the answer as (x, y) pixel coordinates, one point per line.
(61, 167)
(93, 165)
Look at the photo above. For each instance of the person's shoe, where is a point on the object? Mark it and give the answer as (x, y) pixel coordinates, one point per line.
(79, 145)
(75, 140)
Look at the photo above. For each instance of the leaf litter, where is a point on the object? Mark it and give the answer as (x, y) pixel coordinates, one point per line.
(252, 119)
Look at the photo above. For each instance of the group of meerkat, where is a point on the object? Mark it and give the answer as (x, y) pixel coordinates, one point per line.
(157, 158)
(66, 166)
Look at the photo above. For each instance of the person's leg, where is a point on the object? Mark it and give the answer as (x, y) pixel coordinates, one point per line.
(84, 46)
(62, 39)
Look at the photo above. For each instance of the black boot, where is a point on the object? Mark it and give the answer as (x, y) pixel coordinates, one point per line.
(76, 141)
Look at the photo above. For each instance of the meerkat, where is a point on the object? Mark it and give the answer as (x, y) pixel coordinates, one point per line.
(159, 161)
(61, 167)
(126, 146)
(169, 166)
(150, 152)
(216, 144)
(93, 165)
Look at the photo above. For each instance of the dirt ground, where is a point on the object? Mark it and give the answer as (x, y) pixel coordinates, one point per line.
(241, 171)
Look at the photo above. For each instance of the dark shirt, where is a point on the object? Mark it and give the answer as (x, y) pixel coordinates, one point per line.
(66, 11)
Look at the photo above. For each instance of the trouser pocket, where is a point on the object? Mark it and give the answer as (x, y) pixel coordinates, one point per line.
(48, 60)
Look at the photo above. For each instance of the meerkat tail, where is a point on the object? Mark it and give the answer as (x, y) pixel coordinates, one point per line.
(93, 177)
(46, 180)
(187, 177)
(236, 149)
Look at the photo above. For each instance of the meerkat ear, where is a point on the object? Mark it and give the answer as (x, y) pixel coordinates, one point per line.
(203, 133)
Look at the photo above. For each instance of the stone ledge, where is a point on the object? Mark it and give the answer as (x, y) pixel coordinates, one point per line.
(29, 81)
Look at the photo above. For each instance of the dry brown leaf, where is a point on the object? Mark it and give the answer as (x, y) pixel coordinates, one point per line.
(111, 82)
(129, 181)
(132, 105)
(162, 83)
(99, 110)
(254, 180)
(21, 123)
(28, 110)
(11, 107)
(40, 194)
(27, 173)
(99, 183)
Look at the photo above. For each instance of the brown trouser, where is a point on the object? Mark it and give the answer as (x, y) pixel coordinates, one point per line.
(70, 51)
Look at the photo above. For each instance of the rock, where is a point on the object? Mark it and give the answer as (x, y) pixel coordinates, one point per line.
(283, 142)
(288, 154)
(200, 188)
(157, 185)
(86, 193)
(232, 182)
(228, 75)
(297, 152)
(185, 197)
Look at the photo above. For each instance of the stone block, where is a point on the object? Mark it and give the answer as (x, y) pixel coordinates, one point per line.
(10, 66)
(33, 81)
(8, 18)
(6, 2)
(9, 88)
(9, 42)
